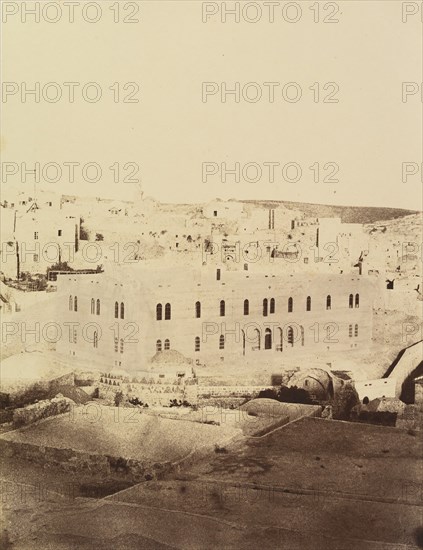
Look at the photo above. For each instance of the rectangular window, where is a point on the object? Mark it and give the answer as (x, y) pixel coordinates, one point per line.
(59, 233)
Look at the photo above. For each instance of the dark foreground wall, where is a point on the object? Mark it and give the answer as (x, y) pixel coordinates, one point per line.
(77, 461)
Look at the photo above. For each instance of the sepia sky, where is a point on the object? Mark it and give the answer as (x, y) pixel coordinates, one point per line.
(172, 130)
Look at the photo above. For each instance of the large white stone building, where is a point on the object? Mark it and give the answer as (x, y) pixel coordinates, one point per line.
(124, 318)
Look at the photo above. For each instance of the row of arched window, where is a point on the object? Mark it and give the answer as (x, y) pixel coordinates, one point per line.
(269, 306)
(167, 312)
(291, 337)
(119, 344)
(96, 307)
(160, 347)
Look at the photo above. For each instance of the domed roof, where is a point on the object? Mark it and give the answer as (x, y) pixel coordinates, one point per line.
(320, 375)
(170, 356)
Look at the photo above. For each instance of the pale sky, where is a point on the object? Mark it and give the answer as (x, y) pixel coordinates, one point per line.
(171, 132)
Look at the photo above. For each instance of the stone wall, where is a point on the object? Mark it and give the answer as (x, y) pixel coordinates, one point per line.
(76, 461)
(409, 361)
(43, 409)
(39, 389)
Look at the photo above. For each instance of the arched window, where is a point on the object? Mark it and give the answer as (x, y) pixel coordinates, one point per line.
(92, 306)
(222, 308)
(116, 345)
(159, 345)
(98, 307)
(75, 303)
(308, 303)
(357, 300)
(351, 301)
(356, 330)
(350, 331)
(290, 305)
(159, 312)
(272, 305)
(328, 302)
(167, 312)
(122, 310)
(265, 307)
(268, 339)
(246, 307)
(116, 310)
(121, 345)
(197, 310)
(197, 343)
(167, 344)
(95, 339)
(221, 342)
(290, 336)
(70, 303)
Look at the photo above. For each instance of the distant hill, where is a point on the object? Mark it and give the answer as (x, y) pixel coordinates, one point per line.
(348, 214)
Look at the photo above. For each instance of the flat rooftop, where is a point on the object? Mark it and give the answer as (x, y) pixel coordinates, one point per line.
(122, 432)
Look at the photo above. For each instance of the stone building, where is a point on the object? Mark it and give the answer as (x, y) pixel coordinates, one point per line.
(36, 238)
(124, 318)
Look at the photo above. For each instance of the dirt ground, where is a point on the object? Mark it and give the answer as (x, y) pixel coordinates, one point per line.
(311, 485)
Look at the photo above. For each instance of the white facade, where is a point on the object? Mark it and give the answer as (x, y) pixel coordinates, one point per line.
(211, 315)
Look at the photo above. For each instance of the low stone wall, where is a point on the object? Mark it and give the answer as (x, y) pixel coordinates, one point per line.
(230, 391)
(43, 409)
(294, 411)
(77, 461)
(39, 389)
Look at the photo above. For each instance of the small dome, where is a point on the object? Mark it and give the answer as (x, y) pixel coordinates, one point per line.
(170, 356)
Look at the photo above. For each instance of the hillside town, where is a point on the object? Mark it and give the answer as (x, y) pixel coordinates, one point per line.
(203, 328)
